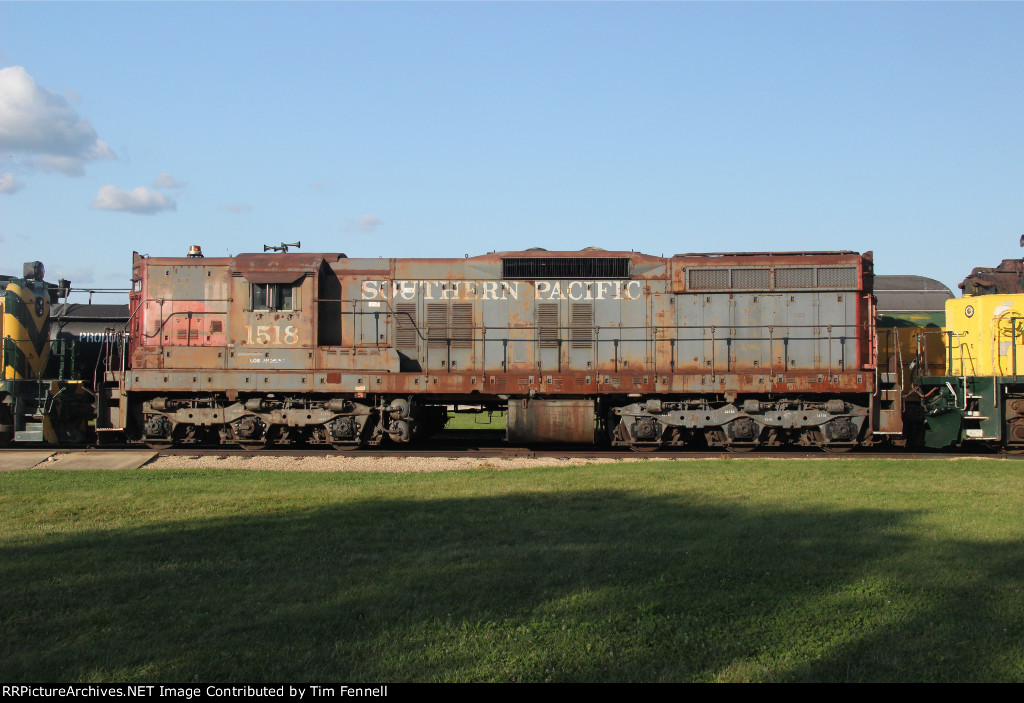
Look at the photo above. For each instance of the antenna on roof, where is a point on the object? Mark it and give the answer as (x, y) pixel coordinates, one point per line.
(283, 248)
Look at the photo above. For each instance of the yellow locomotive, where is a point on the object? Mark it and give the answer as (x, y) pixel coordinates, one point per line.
(980, 398)
(36, 403)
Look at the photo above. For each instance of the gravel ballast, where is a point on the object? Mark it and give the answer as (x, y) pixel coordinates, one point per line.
(408, 464)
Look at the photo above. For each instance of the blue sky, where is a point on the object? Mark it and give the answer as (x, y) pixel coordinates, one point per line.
(446, 129)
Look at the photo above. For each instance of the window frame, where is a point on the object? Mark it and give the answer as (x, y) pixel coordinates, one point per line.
(272, 297)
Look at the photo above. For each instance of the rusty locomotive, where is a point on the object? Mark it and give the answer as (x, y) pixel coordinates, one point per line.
(722, 350)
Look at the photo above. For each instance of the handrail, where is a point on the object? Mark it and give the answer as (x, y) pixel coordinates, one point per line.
(963, 366)
(626, 337)
(180, 313)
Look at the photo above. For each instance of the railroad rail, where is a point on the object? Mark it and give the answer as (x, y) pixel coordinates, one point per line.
(492, 452)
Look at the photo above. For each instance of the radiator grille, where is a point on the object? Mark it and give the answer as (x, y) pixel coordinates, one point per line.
(794, 277)
(751, 279)
(709, 279)
(726, 278)
(839, 277)
(565, 267)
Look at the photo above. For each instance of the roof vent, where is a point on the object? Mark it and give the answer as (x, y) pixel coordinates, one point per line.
(578, 267)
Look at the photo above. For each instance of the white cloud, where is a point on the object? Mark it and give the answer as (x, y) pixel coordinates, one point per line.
(238, 208)
(369, 222)
(166, 180)
(8, 184)
(41, 127)
(364, 223)
(141, 201)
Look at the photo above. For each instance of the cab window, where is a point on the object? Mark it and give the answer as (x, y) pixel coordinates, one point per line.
(273, 296)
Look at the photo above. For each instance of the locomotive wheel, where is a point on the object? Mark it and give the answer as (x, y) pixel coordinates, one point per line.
(740, 448)
(347, 446)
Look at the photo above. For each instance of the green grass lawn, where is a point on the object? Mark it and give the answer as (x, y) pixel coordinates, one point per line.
(476, 421)
(722, 570)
